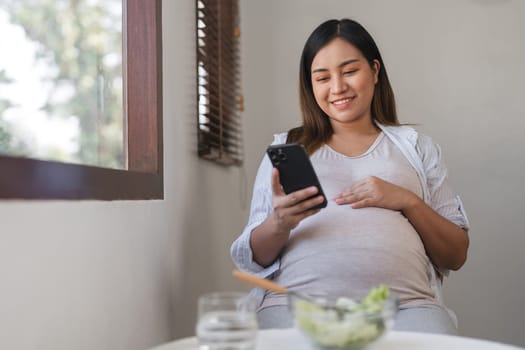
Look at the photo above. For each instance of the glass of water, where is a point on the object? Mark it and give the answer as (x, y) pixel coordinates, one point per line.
(226, 321)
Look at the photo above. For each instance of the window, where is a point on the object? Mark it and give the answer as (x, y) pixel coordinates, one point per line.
(143, 179)
(71, 67)
(218, 86)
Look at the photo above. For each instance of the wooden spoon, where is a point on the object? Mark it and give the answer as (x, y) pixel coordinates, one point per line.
(274, 287)
(259, 282)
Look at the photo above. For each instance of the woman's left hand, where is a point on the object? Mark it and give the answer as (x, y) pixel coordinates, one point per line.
(445, 242)
(375, 192)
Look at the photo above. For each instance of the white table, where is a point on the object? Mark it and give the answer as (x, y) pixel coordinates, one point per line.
(284, 339)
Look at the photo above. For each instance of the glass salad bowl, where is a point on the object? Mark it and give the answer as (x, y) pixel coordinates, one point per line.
(343, 323)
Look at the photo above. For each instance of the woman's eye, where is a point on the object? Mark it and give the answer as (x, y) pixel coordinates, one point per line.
(320, 79)
(348, 72)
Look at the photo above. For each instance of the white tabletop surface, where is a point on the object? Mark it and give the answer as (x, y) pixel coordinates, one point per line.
(283, 339)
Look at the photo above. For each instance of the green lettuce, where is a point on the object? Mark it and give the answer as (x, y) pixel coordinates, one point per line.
(348, 324)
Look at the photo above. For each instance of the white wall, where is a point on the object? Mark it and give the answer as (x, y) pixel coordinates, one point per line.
(457, 71)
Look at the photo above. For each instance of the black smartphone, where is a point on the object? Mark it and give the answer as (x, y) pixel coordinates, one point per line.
(295, 169)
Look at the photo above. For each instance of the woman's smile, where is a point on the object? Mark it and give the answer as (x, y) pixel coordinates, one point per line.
(343, 102)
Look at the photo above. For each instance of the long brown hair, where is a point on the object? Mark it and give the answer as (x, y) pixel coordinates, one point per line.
(316, 128)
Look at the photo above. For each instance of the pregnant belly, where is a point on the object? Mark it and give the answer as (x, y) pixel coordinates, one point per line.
(346, 253)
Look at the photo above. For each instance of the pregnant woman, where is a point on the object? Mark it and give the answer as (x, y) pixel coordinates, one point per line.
(391, 216)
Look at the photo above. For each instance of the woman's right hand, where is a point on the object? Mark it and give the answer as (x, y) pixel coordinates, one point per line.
(268, 239)
(290, 209)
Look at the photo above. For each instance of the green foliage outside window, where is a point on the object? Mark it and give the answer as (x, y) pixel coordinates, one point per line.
(80, 43)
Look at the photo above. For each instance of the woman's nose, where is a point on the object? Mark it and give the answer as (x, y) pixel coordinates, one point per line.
(338, 85)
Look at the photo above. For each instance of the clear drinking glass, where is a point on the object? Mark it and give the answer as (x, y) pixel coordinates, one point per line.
(226, 321)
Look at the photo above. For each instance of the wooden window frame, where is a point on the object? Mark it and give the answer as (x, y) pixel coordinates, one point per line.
(26, 178)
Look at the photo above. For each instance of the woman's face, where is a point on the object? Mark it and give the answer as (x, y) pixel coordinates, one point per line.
(343, 82)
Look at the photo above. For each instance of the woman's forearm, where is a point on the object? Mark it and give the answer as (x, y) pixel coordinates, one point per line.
(267, 242)
(445, 242)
